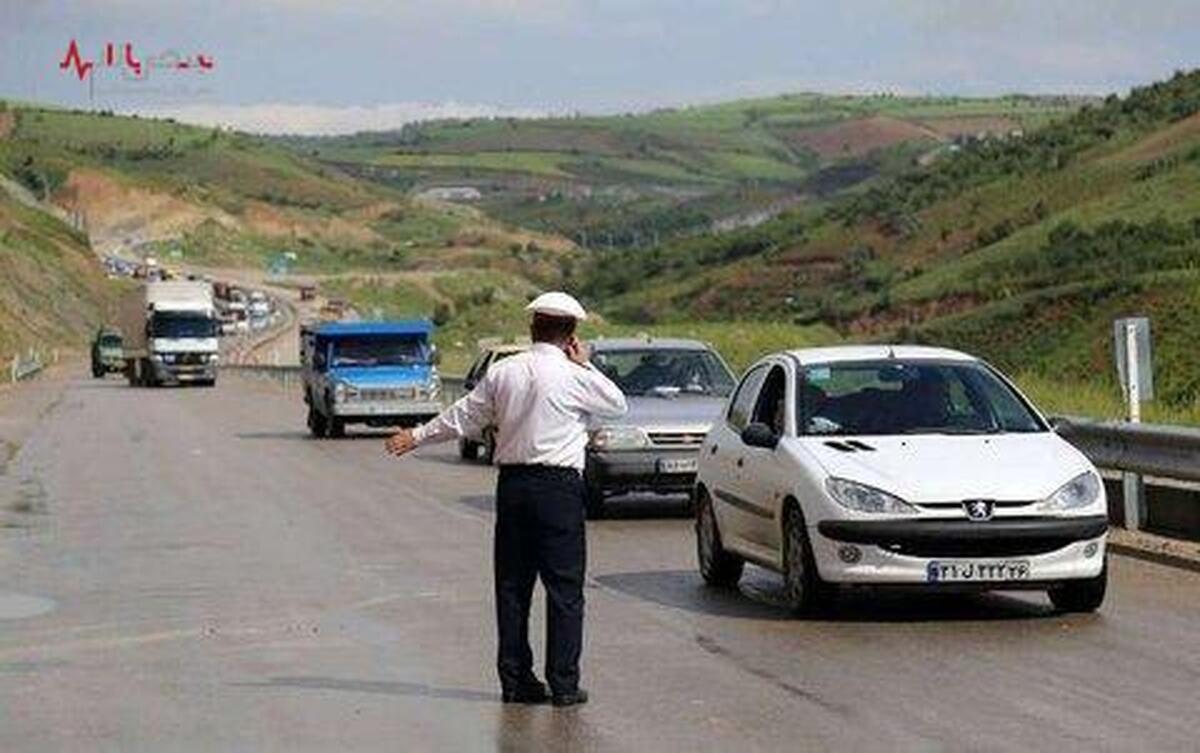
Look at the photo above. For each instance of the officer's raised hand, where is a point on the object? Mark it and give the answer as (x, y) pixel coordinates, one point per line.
(577, 351)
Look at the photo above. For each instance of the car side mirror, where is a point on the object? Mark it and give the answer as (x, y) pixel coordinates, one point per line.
(435, 355)
(760, 435)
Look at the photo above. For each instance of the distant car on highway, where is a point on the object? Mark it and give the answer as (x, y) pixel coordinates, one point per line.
(675, 390)
(108, 353)
(373, 373)
(913, 466)
(490, 353)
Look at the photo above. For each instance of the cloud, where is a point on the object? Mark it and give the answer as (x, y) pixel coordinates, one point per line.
(314, 120)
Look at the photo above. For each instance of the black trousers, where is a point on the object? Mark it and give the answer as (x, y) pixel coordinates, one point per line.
(539, 533)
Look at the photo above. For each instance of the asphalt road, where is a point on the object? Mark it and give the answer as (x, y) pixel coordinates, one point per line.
(185, 570)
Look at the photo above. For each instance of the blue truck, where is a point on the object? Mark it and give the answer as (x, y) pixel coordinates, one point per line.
(372, 373)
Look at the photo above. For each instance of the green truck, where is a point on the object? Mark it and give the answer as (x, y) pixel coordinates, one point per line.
(108, 352)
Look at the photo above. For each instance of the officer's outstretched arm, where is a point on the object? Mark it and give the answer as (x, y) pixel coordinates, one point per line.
(468, 416)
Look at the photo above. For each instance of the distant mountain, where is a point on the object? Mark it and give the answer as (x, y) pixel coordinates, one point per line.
(1021, 249)
(634, 180)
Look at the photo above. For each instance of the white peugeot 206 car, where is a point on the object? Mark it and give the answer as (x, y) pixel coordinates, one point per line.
(904, 465)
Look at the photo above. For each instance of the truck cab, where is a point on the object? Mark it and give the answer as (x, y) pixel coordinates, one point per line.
(170, 334)
(371, 373)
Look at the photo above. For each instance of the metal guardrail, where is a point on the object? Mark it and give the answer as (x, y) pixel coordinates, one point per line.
(1171, 452)
(25, 366)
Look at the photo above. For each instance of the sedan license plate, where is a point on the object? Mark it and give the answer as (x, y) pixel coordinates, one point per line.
(966, 571)
(678, 465)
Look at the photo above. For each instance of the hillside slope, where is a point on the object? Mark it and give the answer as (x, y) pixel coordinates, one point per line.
(626, 180)
(1022, 251)
(213, 197)
(52, 287)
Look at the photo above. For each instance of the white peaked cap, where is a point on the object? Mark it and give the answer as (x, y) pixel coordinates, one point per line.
(557, 303)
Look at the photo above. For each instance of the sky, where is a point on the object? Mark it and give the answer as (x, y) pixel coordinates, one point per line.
(331, 66)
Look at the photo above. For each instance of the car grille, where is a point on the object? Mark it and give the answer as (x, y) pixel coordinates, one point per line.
(982, 548)
(191, 359)
(382, 394)
(677, 438)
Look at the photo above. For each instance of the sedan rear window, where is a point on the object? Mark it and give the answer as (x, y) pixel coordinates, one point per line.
(910, 397)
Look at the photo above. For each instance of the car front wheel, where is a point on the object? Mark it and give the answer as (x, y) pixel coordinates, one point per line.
(717, 566)
(804, 591)
(467, 449)
(1080, 595)
(593, 491)
(317, 423)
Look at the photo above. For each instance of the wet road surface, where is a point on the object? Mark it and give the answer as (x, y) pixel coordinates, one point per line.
(186, 570)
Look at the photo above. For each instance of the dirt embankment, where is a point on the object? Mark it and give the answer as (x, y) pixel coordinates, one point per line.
(118, 214)
(6, 124)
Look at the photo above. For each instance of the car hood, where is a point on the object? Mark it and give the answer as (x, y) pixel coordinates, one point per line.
(683, 411)
(382, 376)
(936, 468)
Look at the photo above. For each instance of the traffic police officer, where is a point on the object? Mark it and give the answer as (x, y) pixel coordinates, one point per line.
(540, 402)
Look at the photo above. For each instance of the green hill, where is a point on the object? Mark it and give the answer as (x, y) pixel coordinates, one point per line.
(628, 180)
(52, 287)
(1021, 250)
(218, 198)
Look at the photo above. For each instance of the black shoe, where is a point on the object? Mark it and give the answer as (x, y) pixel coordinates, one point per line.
(526, 692)
(574, 698)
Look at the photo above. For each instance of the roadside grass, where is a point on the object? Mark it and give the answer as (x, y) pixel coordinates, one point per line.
(1098, 400)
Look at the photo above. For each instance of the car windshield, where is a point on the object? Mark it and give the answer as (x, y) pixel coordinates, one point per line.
(182, 325)
(645, 371)
(910, 397)
(110, 341)
(380, 351)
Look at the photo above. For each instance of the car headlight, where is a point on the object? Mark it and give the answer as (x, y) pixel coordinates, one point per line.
(343, 392)
(863, 498)
(1080, 491)
(619, 438)
(434, 389)
(213, 358)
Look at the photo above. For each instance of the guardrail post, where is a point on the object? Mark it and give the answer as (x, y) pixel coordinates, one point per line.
(1132, 488)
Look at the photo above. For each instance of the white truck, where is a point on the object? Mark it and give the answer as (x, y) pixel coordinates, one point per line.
(170, 330)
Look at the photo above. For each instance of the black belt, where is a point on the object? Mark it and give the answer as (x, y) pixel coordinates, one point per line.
(543, 471)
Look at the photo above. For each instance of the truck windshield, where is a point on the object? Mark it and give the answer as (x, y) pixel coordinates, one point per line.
(167, 324)
(910, 397)
(380, 351)
(110, 341)
(641, 371)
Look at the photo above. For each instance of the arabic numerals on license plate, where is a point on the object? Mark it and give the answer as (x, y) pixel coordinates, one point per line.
(938, 572)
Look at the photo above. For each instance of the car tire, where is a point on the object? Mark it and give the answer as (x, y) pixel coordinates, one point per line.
(1084, 595)
(489, 448)
(337, 428)
(318, 425)
(468, 450)
(718, 567)
(593, 494)
(803, 590)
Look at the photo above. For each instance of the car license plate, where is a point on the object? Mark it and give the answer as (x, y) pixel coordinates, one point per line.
(964, 571)
(678, 465)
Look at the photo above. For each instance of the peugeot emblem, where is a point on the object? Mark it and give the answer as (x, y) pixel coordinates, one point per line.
(979, 509)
